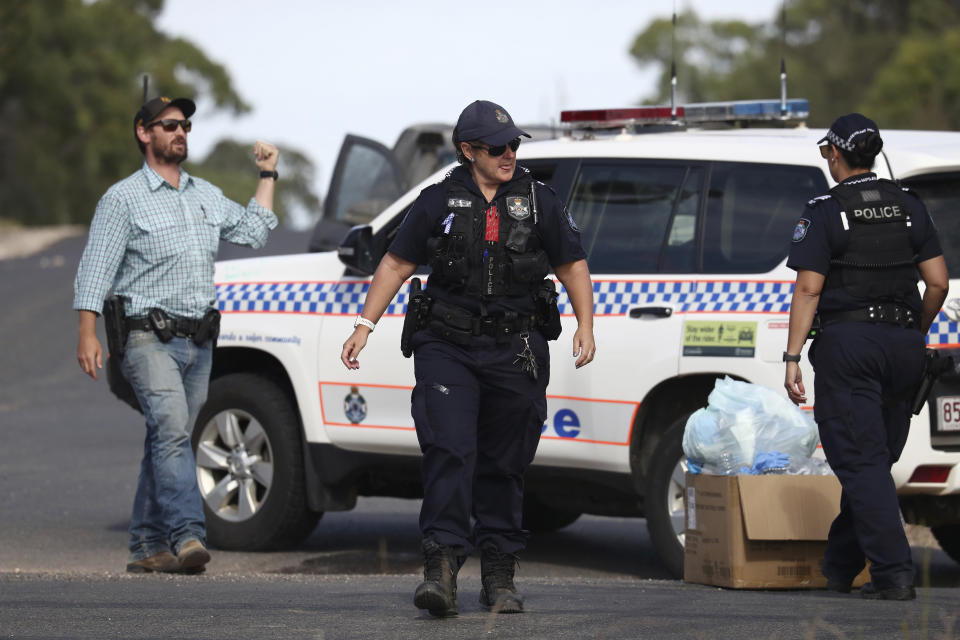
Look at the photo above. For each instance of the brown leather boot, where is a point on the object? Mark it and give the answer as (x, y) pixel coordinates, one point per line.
(163, 562)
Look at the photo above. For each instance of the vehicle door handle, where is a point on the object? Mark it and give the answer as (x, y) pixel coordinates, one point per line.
(659, 312)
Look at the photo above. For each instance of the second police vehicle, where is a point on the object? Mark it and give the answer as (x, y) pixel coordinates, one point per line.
(687, 222)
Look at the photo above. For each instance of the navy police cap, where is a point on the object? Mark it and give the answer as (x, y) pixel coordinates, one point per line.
(847, 130)
(487, 122)
(152, 108)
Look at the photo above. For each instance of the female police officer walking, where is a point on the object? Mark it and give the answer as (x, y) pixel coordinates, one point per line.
(490, 234)
(857, 251)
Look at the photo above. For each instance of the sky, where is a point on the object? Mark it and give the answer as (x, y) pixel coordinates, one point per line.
(315, 70)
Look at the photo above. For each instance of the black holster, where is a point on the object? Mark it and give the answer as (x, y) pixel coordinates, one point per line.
(418, 308)
(548, 313)
(115, 325)
(209, 328)
(934, 365)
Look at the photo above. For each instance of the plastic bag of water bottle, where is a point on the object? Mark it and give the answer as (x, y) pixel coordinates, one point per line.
(748, 428)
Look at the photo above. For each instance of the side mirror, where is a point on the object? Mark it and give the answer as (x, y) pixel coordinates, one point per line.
(356, 250)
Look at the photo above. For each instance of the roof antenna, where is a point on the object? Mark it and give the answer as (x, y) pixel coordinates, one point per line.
(673, 65)
(145, 81)
(783, 60)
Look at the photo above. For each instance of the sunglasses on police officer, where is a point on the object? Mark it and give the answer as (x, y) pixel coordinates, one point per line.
(170, 125)
(499, 150)
(825, 151)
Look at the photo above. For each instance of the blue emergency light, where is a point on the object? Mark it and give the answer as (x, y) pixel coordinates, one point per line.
(698, 113)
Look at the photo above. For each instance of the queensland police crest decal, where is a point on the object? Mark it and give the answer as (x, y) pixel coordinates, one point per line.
(800, 231)
(501, 116)
(518, 208)
(354, 406)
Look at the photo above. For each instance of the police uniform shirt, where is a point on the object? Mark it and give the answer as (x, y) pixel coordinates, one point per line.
(819, 236)
(558, 234)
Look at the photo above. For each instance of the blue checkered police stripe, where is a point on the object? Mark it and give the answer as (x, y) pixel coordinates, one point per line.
(944, 331)
(611, 298)
(322, 298)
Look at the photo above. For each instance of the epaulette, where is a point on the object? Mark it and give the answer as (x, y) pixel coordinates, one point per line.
(546, 186)
(908, 190)
(815, 201)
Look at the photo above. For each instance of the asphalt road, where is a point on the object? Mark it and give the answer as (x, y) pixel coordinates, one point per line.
(67, 476)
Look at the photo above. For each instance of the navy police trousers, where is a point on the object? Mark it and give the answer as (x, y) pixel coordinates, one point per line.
(478, 419)
(865, 376)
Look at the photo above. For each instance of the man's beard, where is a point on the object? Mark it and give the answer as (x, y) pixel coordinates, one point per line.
(168, 155)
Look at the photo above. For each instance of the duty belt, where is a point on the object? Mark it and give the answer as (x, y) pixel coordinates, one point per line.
(182, 327)
(459, 325)
(887, 313)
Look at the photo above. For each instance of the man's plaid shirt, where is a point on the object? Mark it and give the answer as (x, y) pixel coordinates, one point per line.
(156, 245)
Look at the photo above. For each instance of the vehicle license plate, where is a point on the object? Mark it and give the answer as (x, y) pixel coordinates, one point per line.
(948, 413)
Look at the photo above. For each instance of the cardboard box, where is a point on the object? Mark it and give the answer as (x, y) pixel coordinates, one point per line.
(759, 532)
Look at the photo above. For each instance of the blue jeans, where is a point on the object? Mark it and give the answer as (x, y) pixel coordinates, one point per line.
(170, 380)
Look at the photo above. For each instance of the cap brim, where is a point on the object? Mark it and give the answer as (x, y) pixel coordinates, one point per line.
(186, 105)
(504, 136)
(822, 140)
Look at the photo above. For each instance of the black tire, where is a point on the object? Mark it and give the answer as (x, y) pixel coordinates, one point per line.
(948, 535)
(541, 518)
(250, 467)
(665, 486)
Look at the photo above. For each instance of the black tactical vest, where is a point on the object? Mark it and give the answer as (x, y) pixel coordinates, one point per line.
(878, 262)
(488, 251)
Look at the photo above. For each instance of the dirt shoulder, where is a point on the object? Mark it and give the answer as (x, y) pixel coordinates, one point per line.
(20, 242)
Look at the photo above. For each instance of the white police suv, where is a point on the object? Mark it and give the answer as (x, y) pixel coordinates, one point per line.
(687, 225)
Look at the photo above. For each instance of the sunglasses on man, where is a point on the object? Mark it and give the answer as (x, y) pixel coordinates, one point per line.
(499, 150)
(170, 125)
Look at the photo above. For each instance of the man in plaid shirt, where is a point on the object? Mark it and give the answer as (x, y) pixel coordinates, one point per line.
(153, 241)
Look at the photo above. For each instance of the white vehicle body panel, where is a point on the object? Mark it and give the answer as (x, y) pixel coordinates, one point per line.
(591, 412)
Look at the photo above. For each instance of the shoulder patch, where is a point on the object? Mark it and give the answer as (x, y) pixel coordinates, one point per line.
(800, 231)
(815, 201)
(570, 221)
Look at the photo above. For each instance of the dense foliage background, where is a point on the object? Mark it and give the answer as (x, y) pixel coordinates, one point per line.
(70, 83)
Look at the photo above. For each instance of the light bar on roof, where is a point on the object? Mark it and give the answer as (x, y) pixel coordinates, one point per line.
(604, 118)
(796, 109)
(695, 113)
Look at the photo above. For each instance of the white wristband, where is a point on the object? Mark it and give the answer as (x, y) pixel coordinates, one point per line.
(363, 321)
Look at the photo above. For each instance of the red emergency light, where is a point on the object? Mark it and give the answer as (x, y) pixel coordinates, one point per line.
(931, 474)
(620, 117)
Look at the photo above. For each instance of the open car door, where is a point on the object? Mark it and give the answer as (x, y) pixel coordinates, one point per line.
(366, 179)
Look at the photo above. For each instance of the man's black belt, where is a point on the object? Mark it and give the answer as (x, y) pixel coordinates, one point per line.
(887, 313)
(182, 327)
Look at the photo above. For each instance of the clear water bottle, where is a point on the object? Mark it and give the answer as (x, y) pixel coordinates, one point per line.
(727, 464)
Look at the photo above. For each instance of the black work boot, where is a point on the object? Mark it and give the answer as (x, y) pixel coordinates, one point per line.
(869, 591)
(496, 571)
(438, 591)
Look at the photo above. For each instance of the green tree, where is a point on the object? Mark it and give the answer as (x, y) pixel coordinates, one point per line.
(891, 59)
(230, 166)
(70, 84)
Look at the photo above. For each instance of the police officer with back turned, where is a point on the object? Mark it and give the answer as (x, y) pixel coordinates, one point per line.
(858, 251)
(153, 241)
(491, 234)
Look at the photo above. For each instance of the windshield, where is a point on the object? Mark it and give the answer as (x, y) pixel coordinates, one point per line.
(941, 193)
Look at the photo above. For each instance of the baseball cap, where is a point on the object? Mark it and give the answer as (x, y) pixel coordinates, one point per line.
(847, 130)
(152, 108)
(487, 122)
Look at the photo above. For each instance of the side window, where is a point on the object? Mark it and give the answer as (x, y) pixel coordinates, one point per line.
(940, 193)
(627, 211)
(751, 210)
